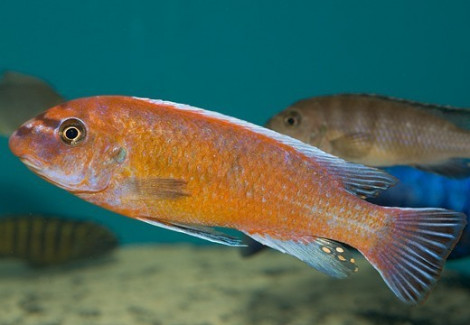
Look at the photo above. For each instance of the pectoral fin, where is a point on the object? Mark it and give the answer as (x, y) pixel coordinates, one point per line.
(202, 232)
(325, 255)
(155, 188)
(354, 145)
(452, 168)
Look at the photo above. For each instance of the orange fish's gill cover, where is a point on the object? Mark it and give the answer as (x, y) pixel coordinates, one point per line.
(188, 170)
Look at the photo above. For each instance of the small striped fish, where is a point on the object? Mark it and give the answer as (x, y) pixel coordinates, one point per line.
(43, 241)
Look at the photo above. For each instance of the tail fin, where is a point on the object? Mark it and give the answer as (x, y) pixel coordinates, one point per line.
(410, 257)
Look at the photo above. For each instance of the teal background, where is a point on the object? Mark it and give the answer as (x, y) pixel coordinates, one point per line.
(248, 59)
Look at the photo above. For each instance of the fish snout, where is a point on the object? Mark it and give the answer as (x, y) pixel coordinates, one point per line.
(22, 147)
(15, 143)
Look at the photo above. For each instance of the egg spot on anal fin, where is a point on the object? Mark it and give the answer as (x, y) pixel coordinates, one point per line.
(339, 252)
(325, 255)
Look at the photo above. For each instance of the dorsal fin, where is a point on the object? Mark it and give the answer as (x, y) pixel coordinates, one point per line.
(457, 115)
(17, 78)
(357, 179)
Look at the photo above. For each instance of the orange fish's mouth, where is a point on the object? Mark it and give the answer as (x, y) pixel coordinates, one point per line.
(35, 165)
(39, 169)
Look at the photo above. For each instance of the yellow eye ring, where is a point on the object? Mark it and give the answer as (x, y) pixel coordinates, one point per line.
(72, 131)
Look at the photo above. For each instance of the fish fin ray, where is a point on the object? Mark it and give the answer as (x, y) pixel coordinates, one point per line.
(324, 255)
(452, 168)
(353, 145)
(358, 179)
(412, 254)
(202, 232)
(156, 187)
(362, 181)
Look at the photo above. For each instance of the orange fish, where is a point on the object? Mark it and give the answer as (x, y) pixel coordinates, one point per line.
(189, 170)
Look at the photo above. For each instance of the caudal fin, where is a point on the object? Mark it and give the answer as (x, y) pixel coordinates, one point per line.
(411, 255)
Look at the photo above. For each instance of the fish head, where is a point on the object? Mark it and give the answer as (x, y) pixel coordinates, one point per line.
(301, 123)
(71, 145)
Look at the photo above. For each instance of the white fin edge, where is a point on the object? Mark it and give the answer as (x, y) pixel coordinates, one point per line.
(201, 232)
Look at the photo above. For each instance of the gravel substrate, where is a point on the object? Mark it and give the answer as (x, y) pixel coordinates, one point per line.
(203, 285)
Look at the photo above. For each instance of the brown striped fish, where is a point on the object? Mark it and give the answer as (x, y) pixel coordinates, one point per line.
(382, 131)
(46, 240)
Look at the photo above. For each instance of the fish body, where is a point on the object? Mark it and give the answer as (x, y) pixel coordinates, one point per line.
(188, 170)
(22, 97)
(46, 240)
(381, 131)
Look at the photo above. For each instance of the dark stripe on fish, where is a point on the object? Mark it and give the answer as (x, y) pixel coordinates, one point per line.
(50, 239)
(22, 237)
(45, 121)
(23, 131)
(15, 226)
(36, 247)
(48, 122)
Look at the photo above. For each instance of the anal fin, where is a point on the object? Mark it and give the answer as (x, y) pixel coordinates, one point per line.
(325, 255)
(452, 168)
(202, 232)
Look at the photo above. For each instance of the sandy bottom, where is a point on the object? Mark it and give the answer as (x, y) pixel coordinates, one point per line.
(175, 285)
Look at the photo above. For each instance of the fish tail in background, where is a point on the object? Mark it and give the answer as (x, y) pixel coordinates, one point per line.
(410, 257)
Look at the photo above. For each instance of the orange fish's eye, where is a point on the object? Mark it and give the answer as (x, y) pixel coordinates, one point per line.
(292, 119)
(72, 131)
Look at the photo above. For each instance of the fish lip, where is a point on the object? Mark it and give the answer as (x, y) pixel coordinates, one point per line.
(33, 164)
